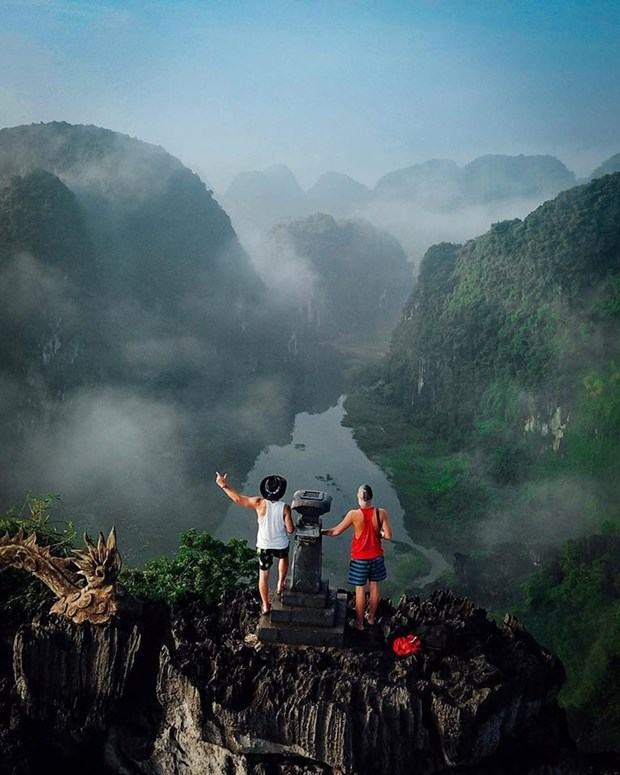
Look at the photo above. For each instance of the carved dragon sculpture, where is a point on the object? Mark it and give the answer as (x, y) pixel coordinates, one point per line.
(99, 564)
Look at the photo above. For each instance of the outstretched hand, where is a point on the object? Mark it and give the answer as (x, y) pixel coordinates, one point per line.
(221, 479)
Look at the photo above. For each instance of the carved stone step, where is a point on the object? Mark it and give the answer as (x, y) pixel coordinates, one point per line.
(307, 599)
(321, 617)
(297, 634)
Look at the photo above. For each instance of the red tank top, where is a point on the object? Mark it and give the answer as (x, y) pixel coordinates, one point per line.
(368, 545)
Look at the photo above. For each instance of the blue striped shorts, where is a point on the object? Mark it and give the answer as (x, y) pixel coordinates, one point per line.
(361, 571)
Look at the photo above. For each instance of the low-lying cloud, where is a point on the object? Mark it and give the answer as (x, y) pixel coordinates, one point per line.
(417, 227)
(289, 277)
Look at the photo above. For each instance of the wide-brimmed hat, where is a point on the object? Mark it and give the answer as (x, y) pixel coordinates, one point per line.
(273, 487)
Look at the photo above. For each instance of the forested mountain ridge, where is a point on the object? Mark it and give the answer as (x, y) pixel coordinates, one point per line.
(608, 167)
(48, 277)
(134, 321)
(138, 201)
(436, 183)
(351, 278)
(493, 177)
(167, 263)
(497, 413)
(39, 214)
(515, 315)
(422, 204)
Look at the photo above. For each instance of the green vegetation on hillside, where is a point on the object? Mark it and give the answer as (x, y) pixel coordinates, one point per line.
(497, 413)
(356, 276)
(520, 306)
(573, 607)
(436, 484)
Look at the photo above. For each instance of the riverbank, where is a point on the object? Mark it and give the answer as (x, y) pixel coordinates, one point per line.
(510, 550)
(441, 495)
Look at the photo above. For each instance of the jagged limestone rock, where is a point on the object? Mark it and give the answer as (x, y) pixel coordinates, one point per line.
(73, 675)
(186, 690)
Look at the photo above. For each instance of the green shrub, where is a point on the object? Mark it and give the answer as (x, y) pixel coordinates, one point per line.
(573, 607)
(203, 566)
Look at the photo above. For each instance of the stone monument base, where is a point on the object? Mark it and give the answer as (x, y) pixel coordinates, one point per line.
(309, 619)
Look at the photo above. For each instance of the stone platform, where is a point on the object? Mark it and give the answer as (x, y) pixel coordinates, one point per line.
(308, 612)
(312, 624)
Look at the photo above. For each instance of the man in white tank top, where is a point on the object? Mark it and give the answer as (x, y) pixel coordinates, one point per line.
(275, 524)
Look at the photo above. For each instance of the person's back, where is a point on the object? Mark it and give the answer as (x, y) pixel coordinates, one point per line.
(370, 525)
(366, 543)
(275, 524)
(272, 532)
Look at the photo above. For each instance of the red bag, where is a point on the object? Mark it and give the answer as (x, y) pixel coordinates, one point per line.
(407, 645)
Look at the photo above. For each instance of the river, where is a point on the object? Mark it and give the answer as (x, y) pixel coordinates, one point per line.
(323, 454)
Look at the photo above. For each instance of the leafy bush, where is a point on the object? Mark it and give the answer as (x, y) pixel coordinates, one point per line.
(203, 566)
(573, 607)
(35, 515)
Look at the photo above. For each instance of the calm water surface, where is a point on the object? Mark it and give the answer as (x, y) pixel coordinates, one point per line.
(323, 455)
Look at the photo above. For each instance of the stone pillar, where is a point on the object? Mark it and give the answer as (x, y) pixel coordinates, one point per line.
(308, 612)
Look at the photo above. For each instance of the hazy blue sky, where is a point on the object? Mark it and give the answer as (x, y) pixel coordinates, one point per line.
(359, 87)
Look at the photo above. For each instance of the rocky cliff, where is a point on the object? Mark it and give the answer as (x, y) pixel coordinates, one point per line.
(191, 691)
(124, 292)
(507, 324)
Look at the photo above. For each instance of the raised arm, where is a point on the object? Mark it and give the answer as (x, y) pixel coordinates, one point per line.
(248, 502)
(346, 522)
(386, 527)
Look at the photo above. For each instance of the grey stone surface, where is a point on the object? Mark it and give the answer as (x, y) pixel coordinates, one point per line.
(325, 629)
(305, 573)
(191, 690)
(320, 617)
(307, 599)
(307, 558)
(55, 663)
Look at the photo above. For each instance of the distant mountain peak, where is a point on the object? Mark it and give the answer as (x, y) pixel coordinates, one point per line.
(277, 176)
(332, 183)
(280, 173)
(608, 167)
(493, 177)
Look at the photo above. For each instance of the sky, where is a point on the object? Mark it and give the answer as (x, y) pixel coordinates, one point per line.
(353, 86)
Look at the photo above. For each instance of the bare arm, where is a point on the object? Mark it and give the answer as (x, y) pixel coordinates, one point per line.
(288, 520)
(346, 522)
(248, 502)
(386, 528)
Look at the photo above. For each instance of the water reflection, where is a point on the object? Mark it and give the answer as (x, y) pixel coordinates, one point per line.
(323, 455)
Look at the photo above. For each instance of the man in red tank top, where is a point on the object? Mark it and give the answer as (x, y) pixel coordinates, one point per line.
(370, 525)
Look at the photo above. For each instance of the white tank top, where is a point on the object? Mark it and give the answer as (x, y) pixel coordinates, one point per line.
(271, 528)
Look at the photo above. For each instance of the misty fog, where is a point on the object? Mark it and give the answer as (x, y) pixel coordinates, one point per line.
(156, 329)
(167, 388)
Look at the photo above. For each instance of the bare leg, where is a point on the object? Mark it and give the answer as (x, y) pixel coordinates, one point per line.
(282, 571)
(375, 596)
(263, 588)
(360, 605)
